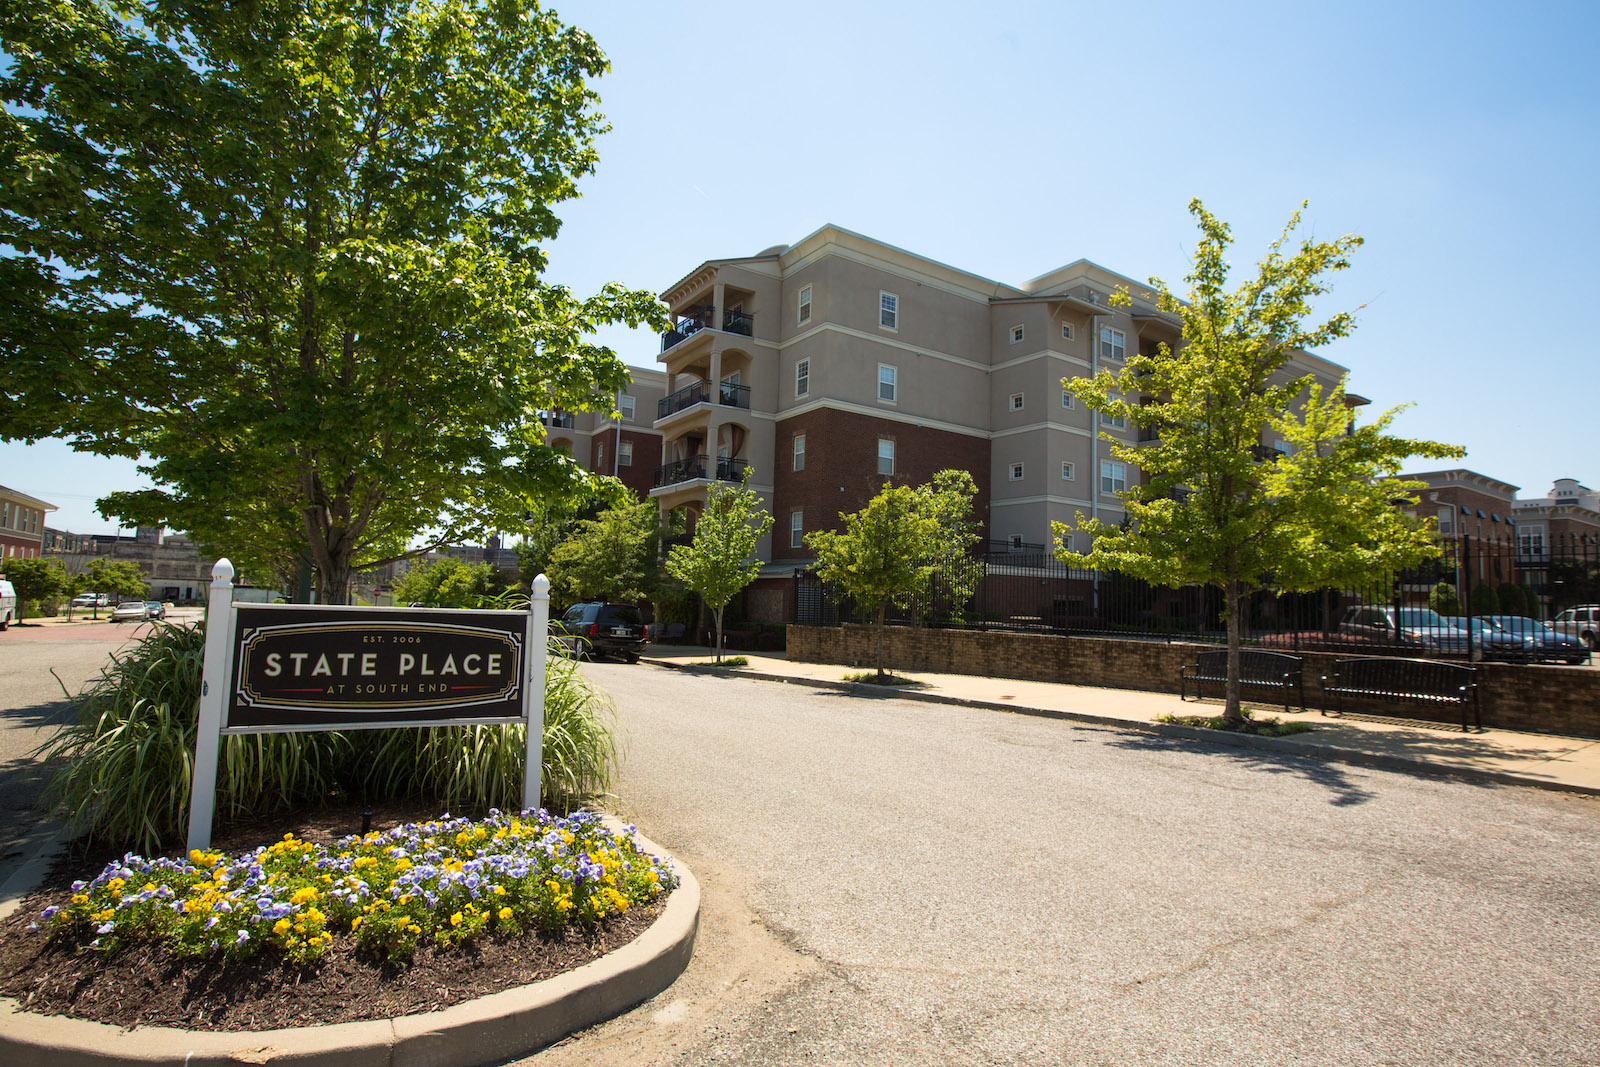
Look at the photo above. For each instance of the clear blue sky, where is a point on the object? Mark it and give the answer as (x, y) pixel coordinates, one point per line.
(1460, 139)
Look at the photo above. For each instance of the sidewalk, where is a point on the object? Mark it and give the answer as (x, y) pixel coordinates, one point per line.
(1543, 761)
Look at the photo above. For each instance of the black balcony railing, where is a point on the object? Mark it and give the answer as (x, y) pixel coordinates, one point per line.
(695, 467)
(729, 396)
(694, 320)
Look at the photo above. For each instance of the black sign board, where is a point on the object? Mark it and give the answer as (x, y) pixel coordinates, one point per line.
(298, 667)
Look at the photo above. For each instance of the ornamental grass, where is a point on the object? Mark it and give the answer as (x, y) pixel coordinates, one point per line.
(446, 881)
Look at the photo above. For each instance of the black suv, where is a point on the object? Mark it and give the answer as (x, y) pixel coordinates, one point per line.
(598, 629)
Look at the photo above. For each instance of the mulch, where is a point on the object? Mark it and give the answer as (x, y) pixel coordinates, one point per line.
(146, 985)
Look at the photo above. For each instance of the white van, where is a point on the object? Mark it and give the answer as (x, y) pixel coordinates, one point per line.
(8, 604)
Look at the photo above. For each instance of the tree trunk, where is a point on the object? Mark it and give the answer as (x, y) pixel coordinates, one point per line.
(1231, 603)
(718, 614)
(883, 610)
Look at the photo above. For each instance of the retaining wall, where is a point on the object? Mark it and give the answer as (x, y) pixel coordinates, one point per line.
(1546, 699)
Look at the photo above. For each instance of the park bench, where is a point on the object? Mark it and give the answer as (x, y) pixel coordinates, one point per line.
(1406, 681)
(1257, 669)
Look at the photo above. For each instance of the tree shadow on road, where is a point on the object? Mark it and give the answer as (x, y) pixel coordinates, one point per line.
(1331, 776)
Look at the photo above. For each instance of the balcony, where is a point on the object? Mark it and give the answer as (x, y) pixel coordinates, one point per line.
(697, 467)
(694, 320)
(728, 396)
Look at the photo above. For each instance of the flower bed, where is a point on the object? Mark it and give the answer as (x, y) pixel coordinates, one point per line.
(447, 881)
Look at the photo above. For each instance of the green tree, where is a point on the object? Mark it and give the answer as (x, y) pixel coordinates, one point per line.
(721, 559)
(34, 579)
(1512, 601)
(610, 557)
(118, 577)
(1484, 601)
(290, 252)
(447, 582)
(1218, 509)
(893, 547)
(1443, 599)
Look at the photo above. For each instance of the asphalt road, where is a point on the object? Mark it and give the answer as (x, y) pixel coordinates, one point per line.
(904, 883)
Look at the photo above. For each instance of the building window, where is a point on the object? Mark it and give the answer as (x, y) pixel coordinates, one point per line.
(804, 313)
(1116, 422)
(1016, 472)
(1530, 540)
(885, 456)
(1016, 334)
(1016, 541)
(799, 451)
(600, 456)
(1016, 401)
(625, 453)
(1447, 520)
(1112, 343)
(625, 405)
(1113, 477)
(1068, 401)
(1066, 471)
(1066, 331)
(887, 380)
(796, 529)
(802, 377)
(888, 311)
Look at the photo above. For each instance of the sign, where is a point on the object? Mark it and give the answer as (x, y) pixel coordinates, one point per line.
(300, 667)
(271, 668)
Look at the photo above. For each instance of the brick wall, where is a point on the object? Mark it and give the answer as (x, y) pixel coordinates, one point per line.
(842, 453)
(1549, 699)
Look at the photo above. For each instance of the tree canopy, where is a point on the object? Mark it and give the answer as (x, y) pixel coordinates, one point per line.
(890, 550)
(33, 579)
(290, 253)
(609, 557)
(721, 558)
(447, 582)
(1218, 505)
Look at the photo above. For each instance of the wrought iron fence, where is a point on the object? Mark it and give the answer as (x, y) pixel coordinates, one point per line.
(1483, 599)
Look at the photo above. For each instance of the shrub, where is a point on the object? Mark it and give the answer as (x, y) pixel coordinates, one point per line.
(124, 761)
(1484, 600)
(1443, 599)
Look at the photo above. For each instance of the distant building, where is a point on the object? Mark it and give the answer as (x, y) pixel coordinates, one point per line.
(21, 524)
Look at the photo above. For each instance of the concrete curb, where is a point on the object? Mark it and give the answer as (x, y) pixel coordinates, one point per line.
(1286, 745)
(497, 1027)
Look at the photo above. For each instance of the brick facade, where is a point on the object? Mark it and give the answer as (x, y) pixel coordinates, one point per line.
(638, 476)
(1548, 699)
(841, 469)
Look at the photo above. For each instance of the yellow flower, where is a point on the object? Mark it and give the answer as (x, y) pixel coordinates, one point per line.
(355, 924)
(80, 898)
(455, 920)
(402, 864)
(281, 926)
(303, 895)
(499, 890)
(505, 915)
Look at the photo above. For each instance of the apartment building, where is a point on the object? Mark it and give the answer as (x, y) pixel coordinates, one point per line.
(21, 525)
(831, 366)
(629, 447)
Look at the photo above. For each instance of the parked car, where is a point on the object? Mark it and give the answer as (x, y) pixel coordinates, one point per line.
(1491, 640)
(8, 604)
(90, 600)
(601, 629)
(1581, 622)
(1422, 627)
(1540, 641)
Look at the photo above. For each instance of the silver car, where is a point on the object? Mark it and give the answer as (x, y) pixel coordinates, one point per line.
(1420, 627)
(1581, 622)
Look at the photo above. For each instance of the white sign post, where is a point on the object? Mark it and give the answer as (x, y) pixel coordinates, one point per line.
(214, 681)
(320, 667)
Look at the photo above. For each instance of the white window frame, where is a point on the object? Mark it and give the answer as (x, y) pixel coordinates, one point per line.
(1447, 520)
(888, 311)
(802, 310)
(1116, 422)
(1066, 331)
(1014, 540)
(626, 405)
(802, 377)
(1016, 401)
(624, 453)
(797, 529)
(893, 383)
(799, 452)
(885, 454)
(1067, 471)
(1016, 472)
(1113, 344)
(1018, 333)
(1113, 477)
(1068, 401)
